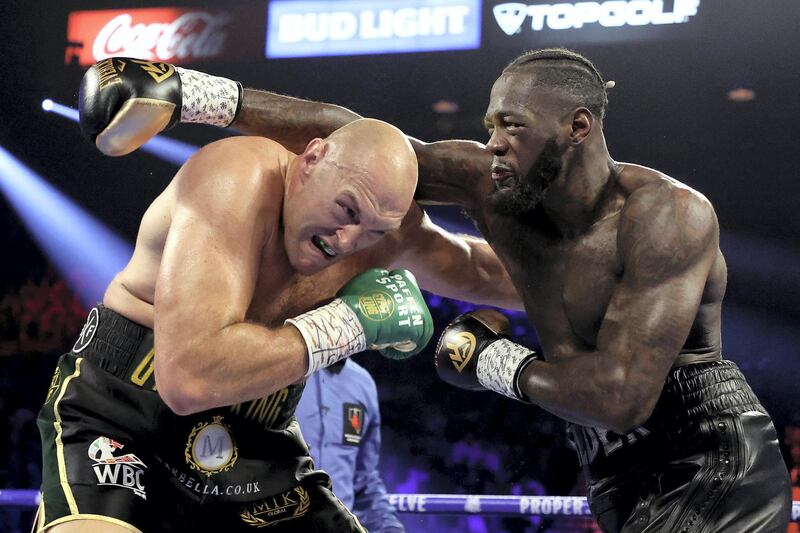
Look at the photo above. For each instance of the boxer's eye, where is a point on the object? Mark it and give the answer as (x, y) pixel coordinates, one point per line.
(349, 213)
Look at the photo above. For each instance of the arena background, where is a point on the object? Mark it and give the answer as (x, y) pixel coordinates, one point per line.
(712, 101)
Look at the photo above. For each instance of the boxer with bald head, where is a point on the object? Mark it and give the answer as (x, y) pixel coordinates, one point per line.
(621, 273)
(174, 410)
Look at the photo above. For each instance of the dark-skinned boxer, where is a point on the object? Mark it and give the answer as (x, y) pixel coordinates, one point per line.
(621, 274)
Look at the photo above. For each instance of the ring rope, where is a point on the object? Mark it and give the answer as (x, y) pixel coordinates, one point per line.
(433, 504)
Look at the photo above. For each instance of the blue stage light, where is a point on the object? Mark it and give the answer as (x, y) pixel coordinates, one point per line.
(176, 152)
(60, 109)
(86, 253)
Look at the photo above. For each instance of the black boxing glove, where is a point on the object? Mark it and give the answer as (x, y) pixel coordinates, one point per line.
(474, 353)
(124, 102)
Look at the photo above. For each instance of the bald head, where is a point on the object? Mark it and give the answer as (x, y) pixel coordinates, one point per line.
(344, 192)
(381, 154)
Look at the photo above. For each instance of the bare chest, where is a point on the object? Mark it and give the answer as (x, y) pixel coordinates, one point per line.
(282, 293)
(566, 284)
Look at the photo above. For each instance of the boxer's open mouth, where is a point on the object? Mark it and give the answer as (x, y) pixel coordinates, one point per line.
(502, 176)
(323, 246)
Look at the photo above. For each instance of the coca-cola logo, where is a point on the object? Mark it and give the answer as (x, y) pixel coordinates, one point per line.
(195, 35)
(166, 34)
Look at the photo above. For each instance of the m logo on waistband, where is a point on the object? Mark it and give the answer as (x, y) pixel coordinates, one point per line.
(88, 331)
(210, 448)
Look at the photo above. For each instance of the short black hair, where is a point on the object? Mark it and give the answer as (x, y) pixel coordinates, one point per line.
(567, 72)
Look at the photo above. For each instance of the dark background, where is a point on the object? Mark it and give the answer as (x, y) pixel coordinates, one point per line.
(669, 110)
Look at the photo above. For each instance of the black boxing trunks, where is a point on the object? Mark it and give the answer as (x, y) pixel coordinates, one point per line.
(113, 451)
(707, 460)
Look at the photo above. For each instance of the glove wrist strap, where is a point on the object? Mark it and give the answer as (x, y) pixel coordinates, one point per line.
(208, 99)
(331, 333)
(500, 365)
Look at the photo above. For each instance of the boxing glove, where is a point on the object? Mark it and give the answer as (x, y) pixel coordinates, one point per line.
(124, 102)
(474, 353)
(377, 310)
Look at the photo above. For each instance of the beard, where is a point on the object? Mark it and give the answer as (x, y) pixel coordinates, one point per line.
(526, 192)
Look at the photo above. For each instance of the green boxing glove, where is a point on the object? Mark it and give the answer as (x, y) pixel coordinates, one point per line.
(378, 310)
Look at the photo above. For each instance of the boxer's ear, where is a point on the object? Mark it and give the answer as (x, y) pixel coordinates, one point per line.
(312, 155)
(315, 150)
(581, 127)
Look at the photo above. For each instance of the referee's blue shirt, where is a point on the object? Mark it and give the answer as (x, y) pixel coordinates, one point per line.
(341, 422)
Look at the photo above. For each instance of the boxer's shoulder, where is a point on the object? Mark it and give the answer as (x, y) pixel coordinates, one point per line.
(241, 168)
(241, 153)
(665, 226)
(641, 183)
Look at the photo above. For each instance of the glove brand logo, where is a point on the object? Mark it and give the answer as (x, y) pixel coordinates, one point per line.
(107, 74)
(462, 347)
(210, 448)
(157, 71)
(376, 306)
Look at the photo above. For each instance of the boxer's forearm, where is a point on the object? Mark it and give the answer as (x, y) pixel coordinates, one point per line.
(447, 168)
(238, 363)
(452, 172)
(288, 120)
(586, 389)
(493, 284)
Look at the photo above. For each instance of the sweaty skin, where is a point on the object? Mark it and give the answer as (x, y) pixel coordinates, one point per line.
(228, 252)
(619, 266)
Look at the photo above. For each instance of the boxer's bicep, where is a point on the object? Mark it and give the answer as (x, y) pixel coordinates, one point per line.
(293, 122)
(211, 256)
(668, 241)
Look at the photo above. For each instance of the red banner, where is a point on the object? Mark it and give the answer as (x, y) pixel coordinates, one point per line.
(176, 35)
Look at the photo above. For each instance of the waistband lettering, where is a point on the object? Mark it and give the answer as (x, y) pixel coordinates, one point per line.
(263, 410)
(144, 369)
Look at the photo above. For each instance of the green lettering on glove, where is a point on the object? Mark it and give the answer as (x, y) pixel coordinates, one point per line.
(390, 307)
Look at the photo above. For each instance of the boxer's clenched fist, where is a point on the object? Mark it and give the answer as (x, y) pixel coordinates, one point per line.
(123, 102)
(377, 309)
(474, 353)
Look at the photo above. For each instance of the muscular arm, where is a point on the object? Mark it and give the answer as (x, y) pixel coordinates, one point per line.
(293, 122)
(449, 170)
(208, 356)
(455, 266)
(668, 239)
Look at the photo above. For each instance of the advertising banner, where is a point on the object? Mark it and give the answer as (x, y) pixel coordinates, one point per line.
(175, 35)
(348, 27)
